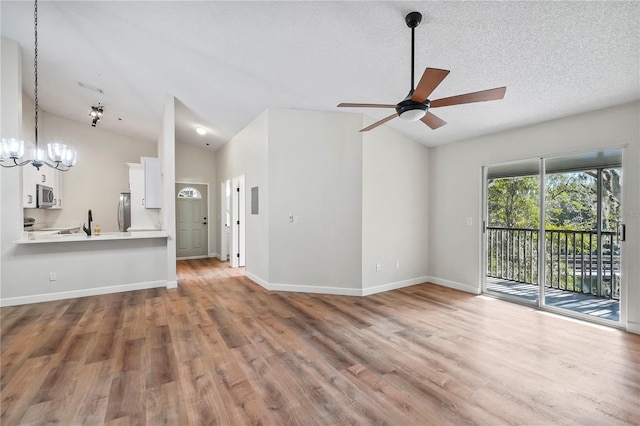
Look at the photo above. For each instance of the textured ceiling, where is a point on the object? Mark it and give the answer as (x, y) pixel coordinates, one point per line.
(228, 61)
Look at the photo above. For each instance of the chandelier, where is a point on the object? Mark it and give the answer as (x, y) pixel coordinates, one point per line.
(61, 156)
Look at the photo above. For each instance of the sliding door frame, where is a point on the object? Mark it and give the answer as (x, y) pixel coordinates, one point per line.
(542, 249)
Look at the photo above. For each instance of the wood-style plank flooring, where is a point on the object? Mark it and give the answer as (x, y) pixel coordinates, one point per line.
(221, 350)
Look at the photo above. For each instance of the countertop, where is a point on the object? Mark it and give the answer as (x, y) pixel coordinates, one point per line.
(46, 238)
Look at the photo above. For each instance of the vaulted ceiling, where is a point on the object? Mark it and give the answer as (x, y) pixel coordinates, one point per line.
(228, 61)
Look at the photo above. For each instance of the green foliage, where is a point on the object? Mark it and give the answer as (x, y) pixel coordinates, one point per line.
(571, 201)
(513, 202)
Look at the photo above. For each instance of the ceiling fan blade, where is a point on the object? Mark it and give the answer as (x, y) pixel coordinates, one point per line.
(432, 121)
(483, 95)
(431, 78)
(377, 123)
(348, 105)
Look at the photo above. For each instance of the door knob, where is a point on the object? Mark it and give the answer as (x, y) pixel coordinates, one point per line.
(204, 223)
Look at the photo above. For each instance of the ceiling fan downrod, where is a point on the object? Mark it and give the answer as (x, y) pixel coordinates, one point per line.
(413, 19)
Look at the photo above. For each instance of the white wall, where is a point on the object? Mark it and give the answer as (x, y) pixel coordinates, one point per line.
(10, 126)
(352, 206)
(166, 151)
(198, 165)
(247, 154)
(455, 179)
(395, 210)
(100, 174)
(315, 174)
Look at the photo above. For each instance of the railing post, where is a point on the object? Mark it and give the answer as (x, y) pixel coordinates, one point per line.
(599, 230)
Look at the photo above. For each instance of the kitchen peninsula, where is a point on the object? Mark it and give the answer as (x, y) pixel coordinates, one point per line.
(31, 238)
(60, 266)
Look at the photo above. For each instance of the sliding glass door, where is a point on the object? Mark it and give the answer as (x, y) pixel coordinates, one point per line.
(554, 241)
(512, 231)
(582, 218)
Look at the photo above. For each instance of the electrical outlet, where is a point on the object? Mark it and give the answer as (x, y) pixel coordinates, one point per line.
(52, 276)
(291, 218)
(469, 221)
(378, 267)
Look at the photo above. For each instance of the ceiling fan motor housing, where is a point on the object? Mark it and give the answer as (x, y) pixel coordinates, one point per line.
(413, 19)
(412, 110)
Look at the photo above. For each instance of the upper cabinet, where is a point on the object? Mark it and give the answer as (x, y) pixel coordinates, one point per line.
(29, 181)
(142, 186)
(152, 182)
(58, 189)
(31, 177)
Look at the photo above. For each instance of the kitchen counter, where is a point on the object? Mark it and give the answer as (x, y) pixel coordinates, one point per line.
(45, 237)
(60, 230)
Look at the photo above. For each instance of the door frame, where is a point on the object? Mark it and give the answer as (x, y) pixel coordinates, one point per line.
(175, 200)
(224, 250)
(238, 219)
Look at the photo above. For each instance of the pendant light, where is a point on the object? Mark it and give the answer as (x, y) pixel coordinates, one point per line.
(61, 157)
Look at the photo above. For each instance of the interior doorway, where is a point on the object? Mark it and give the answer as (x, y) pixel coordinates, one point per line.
(232, 221)
(192, 224)
(237, 221)
(554, 236)
(225, 220)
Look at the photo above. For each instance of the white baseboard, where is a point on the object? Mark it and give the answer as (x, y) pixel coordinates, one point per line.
(315, 289)
(455, 285)
(393, 286)
(342, 291)
(633, 327)
(172, 284)
(303, 288)
(48, 297)
(256, 279)
(205, 256)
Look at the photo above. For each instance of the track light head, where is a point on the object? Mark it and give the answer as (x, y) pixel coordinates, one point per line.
(96, 114)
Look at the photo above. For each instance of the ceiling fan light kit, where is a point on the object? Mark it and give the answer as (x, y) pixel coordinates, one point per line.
(416, 105)
(411, 110)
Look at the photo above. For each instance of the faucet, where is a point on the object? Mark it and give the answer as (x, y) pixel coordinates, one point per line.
(90, 220)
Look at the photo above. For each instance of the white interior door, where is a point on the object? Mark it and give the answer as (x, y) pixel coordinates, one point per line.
(225, 220)
(192, 225)
(237, 222)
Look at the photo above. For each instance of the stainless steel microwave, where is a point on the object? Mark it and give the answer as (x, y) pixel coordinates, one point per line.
(44, 197)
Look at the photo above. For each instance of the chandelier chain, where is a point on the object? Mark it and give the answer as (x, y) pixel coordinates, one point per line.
(35, 68)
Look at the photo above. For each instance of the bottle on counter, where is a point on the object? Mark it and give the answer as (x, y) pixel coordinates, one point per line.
(96, 230)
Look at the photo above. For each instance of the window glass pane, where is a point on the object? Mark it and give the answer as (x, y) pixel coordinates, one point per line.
(189, 192)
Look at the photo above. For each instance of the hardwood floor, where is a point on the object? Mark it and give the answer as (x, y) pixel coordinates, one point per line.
(222, 350)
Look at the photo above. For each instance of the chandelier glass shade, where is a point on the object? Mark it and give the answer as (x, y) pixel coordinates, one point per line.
(61, 156)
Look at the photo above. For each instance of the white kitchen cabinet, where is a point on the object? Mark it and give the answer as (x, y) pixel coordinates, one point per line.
(57, 183)
(31, 177)
(152, 182)
(142, 218)
(29, 181)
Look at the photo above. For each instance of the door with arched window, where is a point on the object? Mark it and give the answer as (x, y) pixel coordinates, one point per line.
(191, 221)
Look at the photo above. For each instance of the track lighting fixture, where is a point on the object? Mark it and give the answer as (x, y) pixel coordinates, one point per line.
(96, 114)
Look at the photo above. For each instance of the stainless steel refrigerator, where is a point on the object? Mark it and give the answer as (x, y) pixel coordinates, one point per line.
(124, 211)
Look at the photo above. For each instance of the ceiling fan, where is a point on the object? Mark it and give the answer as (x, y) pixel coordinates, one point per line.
(416, 106)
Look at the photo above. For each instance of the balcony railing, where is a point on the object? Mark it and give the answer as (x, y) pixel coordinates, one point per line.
(573, 260)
